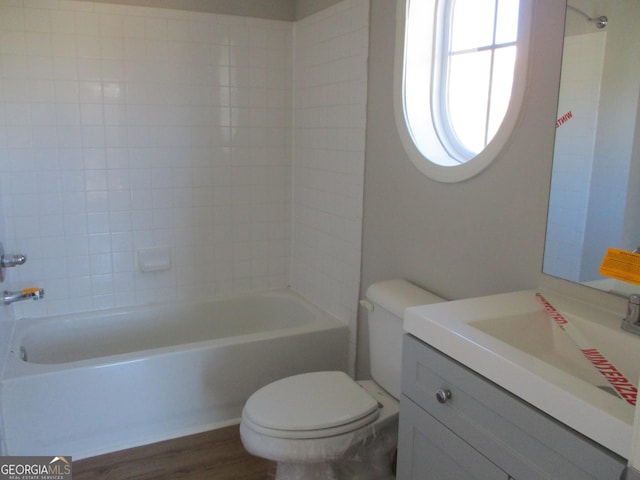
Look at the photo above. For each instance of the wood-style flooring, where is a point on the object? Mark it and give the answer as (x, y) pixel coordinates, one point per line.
(214, 455)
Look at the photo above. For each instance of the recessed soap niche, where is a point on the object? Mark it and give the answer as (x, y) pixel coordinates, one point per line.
(154, 259)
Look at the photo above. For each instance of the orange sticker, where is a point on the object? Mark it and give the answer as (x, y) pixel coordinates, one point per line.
(621, 265)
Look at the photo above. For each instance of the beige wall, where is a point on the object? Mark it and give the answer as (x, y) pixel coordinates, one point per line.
(479, 237)
(305, 8)
(274, 9)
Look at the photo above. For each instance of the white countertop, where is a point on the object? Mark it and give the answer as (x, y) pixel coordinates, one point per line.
(534, 361)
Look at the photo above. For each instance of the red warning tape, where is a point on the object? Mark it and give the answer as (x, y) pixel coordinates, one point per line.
(564, 119)
(616, 378)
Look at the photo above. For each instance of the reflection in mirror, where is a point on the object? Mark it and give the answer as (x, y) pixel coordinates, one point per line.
(595, 185)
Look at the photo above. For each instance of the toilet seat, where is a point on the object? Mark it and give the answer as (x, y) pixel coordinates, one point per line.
(311, 405)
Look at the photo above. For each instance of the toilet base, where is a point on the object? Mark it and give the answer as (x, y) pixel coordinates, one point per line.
(303, 471)
(325, 471)
(370, 460)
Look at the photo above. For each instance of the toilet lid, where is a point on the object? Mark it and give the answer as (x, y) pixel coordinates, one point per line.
(311, 401)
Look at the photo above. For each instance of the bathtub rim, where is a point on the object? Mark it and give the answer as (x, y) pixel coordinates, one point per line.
(16, 368)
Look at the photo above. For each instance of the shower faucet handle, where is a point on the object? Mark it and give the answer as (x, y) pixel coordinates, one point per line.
(9, 260)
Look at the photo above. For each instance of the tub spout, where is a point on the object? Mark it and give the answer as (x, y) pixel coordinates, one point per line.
(24, 294)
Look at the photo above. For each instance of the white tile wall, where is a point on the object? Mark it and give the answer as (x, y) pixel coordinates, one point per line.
(330, 71)
(123, 128)
(573, 155)
(126, 127)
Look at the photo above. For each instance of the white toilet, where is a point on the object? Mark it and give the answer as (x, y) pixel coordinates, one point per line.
(324, 425)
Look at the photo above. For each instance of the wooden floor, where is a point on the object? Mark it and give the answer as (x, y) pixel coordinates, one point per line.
(215, 455)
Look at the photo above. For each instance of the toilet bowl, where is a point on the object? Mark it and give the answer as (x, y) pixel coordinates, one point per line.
(324, 425)
(330, 417)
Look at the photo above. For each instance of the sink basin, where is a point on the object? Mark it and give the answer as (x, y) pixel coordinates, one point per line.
(512, 341)
(536, 334)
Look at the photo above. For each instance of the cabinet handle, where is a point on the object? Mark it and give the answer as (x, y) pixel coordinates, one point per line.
(443, 395)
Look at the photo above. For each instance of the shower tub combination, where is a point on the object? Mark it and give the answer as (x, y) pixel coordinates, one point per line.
(87, 384)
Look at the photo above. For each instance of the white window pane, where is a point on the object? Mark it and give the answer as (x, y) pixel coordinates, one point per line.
(468, 97)
(507, 24)
(472, 24)
(503, 68)
(449, 108)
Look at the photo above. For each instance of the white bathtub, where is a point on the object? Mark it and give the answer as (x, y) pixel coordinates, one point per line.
(88, 384)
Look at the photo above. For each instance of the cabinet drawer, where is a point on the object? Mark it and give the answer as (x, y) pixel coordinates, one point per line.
(520, 438)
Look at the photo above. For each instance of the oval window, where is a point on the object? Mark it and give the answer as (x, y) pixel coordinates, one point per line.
(460, 78)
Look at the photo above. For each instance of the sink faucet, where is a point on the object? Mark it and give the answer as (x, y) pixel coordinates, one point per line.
(24, 294)
(631, 323)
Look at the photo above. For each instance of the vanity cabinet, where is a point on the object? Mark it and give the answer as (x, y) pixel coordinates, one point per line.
(455, 424)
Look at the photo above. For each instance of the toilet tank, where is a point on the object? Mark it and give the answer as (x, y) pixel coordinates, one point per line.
(389, 299)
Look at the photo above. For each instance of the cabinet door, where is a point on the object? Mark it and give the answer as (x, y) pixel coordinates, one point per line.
(427, 450)
(519, 438)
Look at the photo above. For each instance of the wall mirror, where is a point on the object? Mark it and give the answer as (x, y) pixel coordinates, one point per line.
(595, 184)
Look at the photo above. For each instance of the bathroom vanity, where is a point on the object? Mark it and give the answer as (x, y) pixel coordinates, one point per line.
(492, 389)
(456, 424)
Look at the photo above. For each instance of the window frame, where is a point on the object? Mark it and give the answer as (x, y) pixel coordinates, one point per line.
(421, 140)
